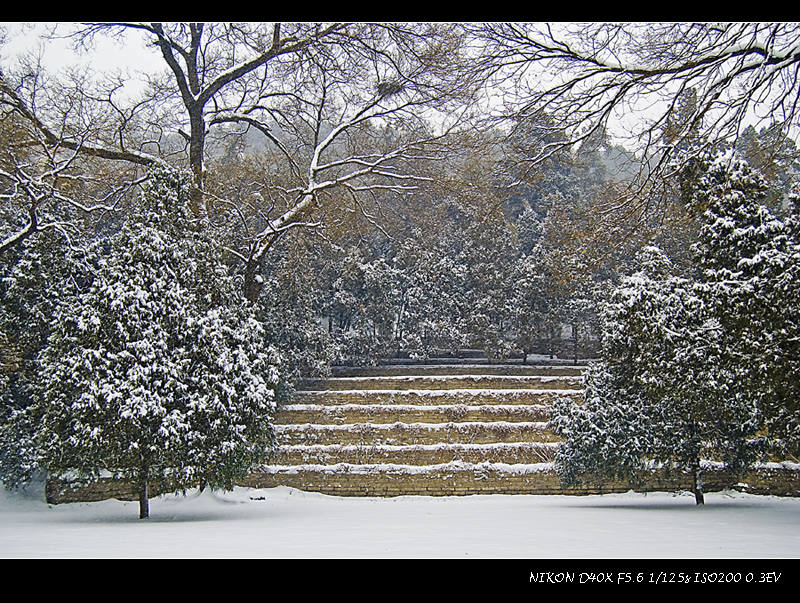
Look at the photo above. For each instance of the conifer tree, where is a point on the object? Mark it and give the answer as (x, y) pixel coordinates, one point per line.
(701, 367)
(156, 372)
(750, 265)
(654, 396)
(44, 270)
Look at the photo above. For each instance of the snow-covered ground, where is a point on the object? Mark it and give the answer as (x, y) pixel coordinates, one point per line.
(287, 523)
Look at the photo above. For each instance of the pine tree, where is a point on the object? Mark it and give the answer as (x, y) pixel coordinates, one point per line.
(361, 306)
(701, 367)
(44, 270)
(750, 264)
(427, 303)
(488, 256)
(655, 396)
(157, 372)
(530, 302)
(289, 306)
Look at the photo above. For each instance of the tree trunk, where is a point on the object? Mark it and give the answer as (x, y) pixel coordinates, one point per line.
(697, 483)
(575, 345)
(252, 281)
(197, 143)
(144, 499)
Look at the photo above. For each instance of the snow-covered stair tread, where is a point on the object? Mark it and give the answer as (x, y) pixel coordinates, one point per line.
(417, 382)
(479, 396)
(400, 433)
(383, 413)
(415, 454)
(460, 369)
(377, 468)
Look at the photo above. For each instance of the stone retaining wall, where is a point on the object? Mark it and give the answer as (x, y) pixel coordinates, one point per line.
(414, 433)
(451, 481)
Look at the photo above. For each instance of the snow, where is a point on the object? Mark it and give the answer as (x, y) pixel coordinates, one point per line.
(377, 408)
(475, 377)
(412, 426)
(532, 363)
(287, 523)
(397, 469)
(437, 396)
(320, 448)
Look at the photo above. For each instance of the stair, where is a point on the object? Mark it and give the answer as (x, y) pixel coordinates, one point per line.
(434, 429)
(441, 429)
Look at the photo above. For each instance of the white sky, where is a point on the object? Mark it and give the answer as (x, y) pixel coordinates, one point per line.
(58, 53)
(127, 53)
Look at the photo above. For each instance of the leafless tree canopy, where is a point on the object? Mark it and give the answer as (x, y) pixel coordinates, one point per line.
(631, 78)
(308, 90)
(55, 156)
(352, 111)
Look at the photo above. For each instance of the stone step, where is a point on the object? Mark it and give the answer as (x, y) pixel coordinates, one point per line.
(419, 454)
(469, 397)
(401, 433)
(445, 382)
(419, 429)
(407, 413)
(457, 369)
(462, 355)
(479, 357)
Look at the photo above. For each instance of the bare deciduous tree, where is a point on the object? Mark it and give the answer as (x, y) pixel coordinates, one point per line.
(634, 78)
(52, 161)
(309, 90)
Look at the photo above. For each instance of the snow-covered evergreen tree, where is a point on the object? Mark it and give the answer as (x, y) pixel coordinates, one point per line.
(489, 255)
(408, 295)
(783, 408)
(289, 307)
(156, 372)
(530, 303)
(654, 397)
(556, 283)
(361, 305)
(44, 270)
(428, 305)
(749, 261)
(701, 367)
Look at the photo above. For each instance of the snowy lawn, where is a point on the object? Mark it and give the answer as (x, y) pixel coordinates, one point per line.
(287, 523)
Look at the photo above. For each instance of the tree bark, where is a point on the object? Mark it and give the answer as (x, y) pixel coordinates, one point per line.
(144, 500)
(697, 483)
(197, 143)
(575, 344)
(252, 280)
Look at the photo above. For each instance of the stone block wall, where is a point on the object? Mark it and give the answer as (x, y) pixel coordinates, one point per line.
(420, 430)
